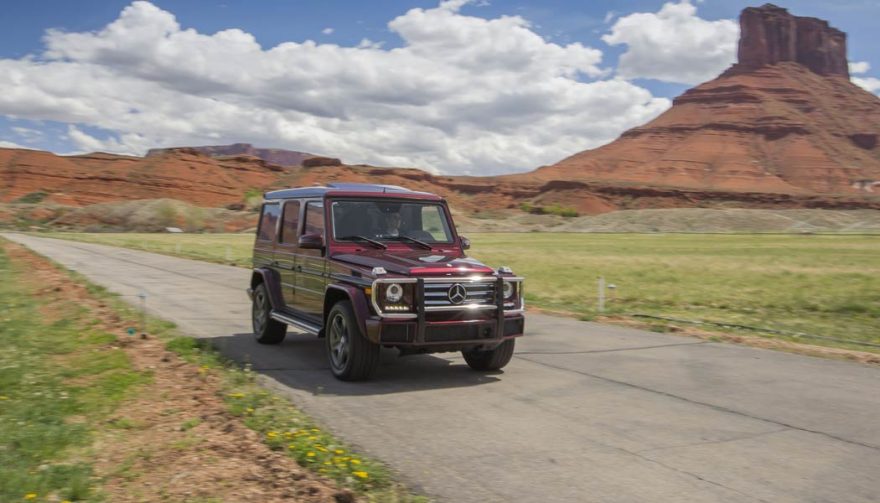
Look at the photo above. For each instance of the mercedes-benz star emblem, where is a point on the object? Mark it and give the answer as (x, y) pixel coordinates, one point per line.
(457, 293)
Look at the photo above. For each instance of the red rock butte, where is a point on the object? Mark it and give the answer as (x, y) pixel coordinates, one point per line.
(785, 119)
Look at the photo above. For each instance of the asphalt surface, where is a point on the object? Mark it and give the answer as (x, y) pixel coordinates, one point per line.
(584, 412)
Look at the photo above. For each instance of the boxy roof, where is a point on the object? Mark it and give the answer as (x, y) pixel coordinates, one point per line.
(349, 189)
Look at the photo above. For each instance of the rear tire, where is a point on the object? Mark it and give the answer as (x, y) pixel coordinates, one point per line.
(266, 330)
(351, 355)
(493, 359)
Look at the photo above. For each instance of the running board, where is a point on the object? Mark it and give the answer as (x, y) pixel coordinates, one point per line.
(302, 325)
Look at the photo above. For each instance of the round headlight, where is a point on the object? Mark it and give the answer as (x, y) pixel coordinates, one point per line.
(508, 289)
(394, 293)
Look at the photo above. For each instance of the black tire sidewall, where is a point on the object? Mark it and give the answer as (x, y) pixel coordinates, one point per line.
(363, 354)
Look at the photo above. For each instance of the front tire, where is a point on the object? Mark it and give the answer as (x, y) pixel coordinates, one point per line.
(266, 330)
(352, 356)
(493, 359)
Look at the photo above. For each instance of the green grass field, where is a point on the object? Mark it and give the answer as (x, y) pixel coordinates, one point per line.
(826, 285)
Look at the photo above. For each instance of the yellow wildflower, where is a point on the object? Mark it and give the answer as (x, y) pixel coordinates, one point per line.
(355, 461)
(30, 496)
(250, 410)
(362, 475)
(313, 438)
(327, 463)
(339, 451)
(4, 397)
(310, 454)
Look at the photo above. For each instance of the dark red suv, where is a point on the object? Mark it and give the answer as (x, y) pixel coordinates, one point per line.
(366, 266)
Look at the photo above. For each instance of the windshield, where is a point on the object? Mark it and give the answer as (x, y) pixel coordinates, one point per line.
(385, 220)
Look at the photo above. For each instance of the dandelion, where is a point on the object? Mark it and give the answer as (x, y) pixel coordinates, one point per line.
(249, 410)
(313, 438)
(310, 454)
(339, 451)
(291, 446)
(236, 395)
(30, 496)
(4, 397)
(271, 434)
(362, 475)
(355, 461)
(327, 463)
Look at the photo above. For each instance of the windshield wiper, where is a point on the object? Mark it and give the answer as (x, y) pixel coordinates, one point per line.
(377, 244)
(413, 240)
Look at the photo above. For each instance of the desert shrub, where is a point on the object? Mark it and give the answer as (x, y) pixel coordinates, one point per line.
(32, 198)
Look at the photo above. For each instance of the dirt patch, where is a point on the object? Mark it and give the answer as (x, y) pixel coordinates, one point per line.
(175, 440)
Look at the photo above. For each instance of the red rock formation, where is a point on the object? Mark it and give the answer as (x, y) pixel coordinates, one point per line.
(277, 156)
(95, 178)
(784, 120)
(771, 35)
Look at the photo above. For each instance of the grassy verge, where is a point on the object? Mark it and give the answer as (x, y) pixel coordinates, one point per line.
(58, 377)
(827, 285)
(63, 375)
(285, 428)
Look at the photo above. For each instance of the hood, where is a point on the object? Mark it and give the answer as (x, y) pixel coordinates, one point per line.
(417, 262)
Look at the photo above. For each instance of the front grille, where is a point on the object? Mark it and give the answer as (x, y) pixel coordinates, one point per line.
(480, 293)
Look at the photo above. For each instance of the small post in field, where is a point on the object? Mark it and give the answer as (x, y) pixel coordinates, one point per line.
(143, 296)
(601, 294)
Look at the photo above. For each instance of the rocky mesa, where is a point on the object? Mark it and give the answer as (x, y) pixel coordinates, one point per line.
(785, 119)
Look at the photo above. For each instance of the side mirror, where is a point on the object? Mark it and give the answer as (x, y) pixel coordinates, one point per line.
(465, 243)
(311, 241)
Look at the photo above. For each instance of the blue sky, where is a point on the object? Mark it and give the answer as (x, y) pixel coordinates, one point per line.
(482, 111)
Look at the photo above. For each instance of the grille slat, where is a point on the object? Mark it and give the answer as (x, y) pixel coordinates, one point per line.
(480, 293)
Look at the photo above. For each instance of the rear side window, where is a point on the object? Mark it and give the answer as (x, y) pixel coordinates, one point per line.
(290, 222)
(315, 218)
(268, 221)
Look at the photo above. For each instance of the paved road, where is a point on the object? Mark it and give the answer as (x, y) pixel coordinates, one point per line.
(585, 412)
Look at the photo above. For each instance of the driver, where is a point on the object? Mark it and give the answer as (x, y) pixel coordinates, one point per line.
(392, 224)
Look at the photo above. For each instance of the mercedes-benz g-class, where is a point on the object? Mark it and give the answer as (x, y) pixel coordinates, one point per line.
(371, 266)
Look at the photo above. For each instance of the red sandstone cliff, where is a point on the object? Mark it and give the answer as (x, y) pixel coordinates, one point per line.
(785, 119)
(277, 156)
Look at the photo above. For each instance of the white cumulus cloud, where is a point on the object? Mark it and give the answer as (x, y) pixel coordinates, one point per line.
(461, 94)
(858, 67)
(870, 84)
(12, 144)
(327, 31)
(674, 44)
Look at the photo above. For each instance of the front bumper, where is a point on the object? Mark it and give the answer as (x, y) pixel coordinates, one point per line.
(459, 333)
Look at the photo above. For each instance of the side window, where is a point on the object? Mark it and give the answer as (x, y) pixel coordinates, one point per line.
(434, 223)
(268, 221)
(290, 222)
(315, 218)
